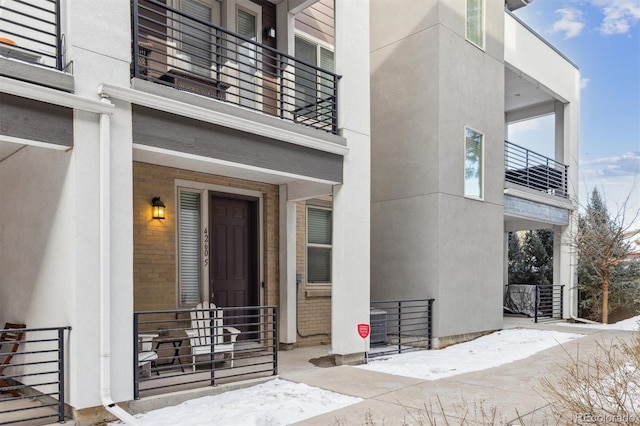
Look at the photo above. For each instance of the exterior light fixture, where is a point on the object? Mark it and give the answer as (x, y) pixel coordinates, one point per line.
(270, 32)
(158, 208)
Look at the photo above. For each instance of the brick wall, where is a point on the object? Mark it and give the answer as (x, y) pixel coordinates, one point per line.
(154, 245)
(314, 301)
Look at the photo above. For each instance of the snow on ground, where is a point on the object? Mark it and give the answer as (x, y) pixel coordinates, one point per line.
(277, 402)
(631, 324)
(485, 352)
(280, 402)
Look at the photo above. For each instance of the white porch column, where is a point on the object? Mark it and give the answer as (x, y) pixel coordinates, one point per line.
(288, 303)
(285, 22)
(351, 202)
(566, 151)
(559, 269)
(565, 264)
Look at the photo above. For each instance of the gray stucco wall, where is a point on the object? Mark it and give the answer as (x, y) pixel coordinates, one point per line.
(428, 240)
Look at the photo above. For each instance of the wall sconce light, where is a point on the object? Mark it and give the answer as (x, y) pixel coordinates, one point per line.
(270, 32)
(158, 208)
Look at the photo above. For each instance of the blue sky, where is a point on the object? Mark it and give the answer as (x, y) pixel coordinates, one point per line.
(603, 38)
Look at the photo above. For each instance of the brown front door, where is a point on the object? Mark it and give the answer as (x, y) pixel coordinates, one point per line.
(233, 274)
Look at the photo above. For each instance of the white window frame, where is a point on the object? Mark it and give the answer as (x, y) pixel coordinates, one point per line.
(230, 15)
(314, 40)
(482, 24)
(209, 3)
(177, 56)
(481, 164)
(318, 44)
(326, 246)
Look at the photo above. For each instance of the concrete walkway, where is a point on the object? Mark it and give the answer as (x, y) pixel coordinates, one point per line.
(514, 389)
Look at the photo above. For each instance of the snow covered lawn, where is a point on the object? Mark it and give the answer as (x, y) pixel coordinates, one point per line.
(485, 352)
(277, 402)
(630, 324)
(280, 402)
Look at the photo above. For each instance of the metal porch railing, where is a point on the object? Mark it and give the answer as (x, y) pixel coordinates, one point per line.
(33, 384)
(174, 48)
(527, 168)
(399, 326)
(535, 300)
(163, 359)
(31, 32)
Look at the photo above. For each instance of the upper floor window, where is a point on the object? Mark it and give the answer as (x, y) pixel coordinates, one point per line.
(475, 22)
(312, 85)
(473, 163)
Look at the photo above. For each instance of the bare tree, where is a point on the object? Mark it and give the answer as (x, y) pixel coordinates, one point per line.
(603, 244)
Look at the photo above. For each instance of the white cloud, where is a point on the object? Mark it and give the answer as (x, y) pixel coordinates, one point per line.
(619, 15)
(584, 82)
(617, 178)
(571, 22)
(627, 164)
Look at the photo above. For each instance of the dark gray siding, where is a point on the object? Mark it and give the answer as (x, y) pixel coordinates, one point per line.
(28, 119)
(176, 133)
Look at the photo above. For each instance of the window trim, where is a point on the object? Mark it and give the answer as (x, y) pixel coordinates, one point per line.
(483, 25)
(482, 168)
(327, 246)
(319, 45)
(311, 39)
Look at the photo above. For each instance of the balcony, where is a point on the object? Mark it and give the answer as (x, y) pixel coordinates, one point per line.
(30, 32)
(534, 171)
(176, 49)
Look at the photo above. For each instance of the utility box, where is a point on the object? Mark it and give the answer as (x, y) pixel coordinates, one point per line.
(378, 321)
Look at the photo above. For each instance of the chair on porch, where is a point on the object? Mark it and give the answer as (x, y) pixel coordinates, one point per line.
(207, 333)
(147, 356)
(10, 340)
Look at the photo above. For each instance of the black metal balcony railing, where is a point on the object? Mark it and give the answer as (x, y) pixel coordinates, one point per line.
(174, 48)
(399, 326)
(535, 300)
(30, 31)
(175, 352)
(535, 171)
(32, 384)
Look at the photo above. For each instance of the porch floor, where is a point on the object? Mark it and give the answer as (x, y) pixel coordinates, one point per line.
(515, 321)
(31, 407)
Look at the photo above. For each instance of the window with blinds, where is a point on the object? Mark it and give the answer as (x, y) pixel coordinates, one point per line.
(311, 84)
(247, 55)
(475, 22)
(189, 247)
(196, 37)
(246, 24)
(319, 245)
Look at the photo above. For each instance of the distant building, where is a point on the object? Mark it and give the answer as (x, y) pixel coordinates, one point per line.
(447, 78)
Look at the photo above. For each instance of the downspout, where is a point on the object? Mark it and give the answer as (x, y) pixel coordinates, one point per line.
(105, 271)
